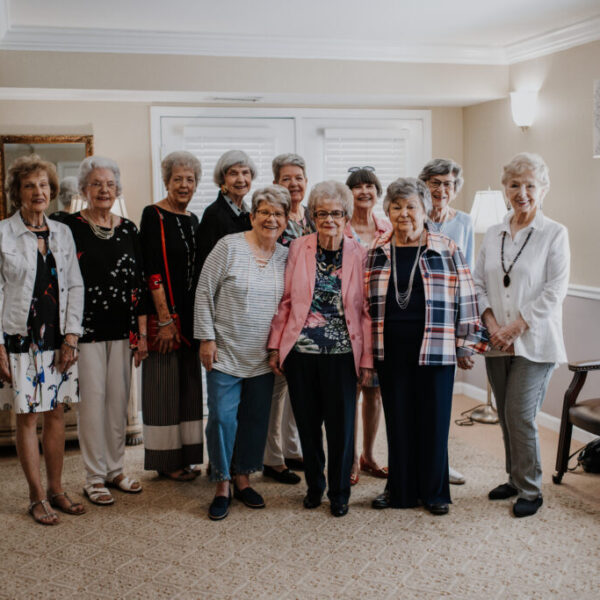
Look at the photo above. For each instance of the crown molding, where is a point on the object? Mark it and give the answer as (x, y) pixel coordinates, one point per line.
(65, 39)
(564, 38)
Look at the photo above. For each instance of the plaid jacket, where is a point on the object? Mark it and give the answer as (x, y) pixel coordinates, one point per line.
(452, 324)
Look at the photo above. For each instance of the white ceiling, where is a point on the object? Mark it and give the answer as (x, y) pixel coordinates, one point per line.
(454, 31)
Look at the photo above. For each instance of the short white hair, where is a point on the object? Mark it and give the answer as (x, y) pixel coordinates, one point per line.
(331, 190)
(180, 158)
(230, 159)
(276, 195)
(527, 161)
(98, 162)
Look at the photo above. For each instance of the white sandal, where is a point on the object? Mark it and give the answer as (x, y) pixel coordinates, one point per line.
(93, 494)
(125, 484)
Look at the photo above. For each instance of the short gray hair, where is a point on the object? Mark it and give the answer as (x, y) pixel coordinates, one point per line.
(527, 161)
(181, 158)
(272, 194)
(230, 159)
(68, 189)
(331, 190)
(283, 160)
(405, 187)
(98, 162)
(443, 166)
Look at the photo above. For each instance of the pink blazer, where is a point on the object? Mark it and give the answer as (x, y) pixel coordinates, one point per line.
(300, 274)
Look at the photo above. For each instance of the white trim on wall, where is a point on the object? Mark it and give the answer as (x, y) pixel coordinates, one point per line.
(70, 39)
(584, 291)
(543, 419)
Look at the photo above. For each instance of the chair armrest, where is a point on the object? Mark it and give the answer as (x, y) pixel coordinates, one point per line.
(585, 365)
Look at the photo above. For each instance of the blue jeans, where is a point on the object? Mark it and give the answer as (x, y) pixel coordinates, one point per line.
(241, 406)
(519, 386)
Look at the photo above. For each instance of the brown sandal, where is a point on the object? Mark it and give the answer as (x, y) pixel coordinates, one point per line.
(48, 514)
(70, 508)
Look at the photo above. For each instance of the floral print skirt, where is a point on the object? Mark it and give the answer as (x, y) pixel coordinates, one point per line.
(37, 384)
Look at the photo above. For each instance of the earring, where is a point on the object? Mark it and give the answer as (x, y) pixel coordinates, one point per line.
(224, 189)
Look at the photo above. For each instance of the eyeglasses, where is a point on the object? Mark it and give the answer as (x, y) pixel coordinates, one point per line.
(436, 184)
(98, 185)
(366, 168)
(334, 214)
(265, 214)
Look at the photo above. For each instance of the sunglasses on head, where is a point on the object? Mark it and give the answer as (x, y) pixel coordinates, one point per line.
(366, 168)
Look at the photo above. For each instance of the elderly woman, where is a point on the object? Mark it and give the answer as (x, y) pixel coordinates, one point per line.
(283, 451)
(425, 321)
(238, 293)
(289, 170)
(114, 327)
(233, 175)
(521, 278)
(171, 378)
(41, 306)
(365, 227)
(67, 193)
(320, 337)
(444, 179)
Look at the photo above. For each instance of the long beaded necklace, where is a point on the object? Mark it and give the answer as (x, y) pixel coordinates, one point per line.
(403, 298)
(506, 279)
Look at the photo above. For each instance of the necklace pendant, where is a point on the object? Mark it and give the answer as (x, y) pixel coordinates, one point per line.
(506, 280)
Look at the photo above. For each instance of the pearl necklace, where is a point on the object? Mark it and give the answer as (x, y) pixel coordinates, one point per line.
(99, 231)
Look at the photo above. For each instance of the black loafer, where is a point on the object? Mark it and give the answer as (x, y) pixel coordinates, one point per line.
(338, 509)
(502, 492)
(437, 509)
(295, 464)
(219, 507)
(285, 476)
(250, 497)
(381, 501)
(311, 501)
(526, 508)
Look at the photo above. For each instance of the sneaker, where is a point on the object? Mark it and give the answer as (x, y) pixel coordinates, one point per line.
(455, 477)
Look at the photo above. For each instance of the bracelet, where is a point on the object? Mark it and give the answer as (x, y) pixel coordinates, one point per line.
(165, 323)
(142, 334)
(70, 346)
(273, 351)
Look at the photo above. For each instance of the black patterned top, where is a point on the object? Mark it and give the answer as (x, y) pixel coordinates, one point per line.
(325, 330)
(182, 252)
(112, 272)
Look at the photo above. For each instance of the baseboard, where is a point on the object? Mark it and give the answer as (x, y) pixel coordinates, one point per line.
(543, 419)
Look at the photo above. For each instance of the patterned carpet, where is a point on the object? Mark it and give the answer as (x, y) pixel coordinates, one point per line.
(160, 544)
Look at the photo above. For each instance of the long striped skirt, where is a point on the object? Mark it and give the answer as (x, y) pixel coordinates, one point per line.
(172, 410)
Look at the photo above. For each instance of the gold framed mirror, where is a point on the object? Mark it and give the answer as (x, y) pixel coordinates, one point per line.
(64, 151)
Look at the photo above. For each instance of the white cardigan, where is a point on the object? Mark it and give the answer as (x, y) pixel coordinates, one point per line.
(538, 284)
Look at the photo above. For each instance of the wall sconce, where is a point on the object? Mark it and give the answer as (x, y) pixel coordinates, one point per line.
(523, 105)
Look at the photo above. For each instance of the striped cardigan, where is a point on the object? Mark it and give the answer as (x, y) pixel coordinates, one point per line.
(452, 324)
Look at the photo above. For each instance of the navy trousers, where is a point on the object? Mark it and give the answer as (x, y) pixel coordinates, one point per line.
(323, 390)
(417, 402)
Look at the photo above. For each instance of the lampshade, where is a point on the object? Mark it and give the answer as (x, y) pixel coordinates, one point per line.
(488, 209)
(523, 105)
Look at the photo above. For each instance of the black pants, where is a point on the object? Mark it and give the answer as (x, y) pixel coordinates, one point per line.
(323, 389)
(417, 402)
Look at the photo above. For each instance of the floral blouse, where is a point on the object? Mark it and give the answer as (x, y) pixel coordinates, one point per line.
(296, 229)
(325, 330)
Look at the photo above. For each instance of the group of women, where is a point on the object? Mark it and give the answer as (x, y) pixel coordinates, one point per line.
(293, 311)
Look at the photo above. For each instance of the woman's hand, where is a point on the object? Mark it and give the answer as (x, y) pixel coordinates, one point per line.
(141, 352)
(68, 353)
(4, 365)
(167, 337)
(208, 354)
(504, 337)
(274, 362)
(366, 376)
(465, 362)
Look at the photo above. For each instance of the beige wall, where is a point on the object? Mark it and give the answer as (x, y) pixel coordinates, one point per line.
(561, 133)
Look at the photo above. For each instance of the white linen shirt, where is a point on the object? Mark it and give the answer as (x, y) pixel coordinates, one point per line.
(538, 284)
(18, 268)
